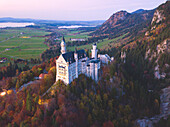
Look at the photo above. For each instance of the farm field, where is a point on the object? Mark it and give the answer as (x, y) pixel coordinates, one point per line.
(76, 34)
(9, 32)
(103, 44)
(22, 43)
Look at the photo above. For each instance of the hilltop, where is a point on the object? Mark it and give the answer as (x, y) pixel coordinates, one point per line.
(123, 22)
(138, 11)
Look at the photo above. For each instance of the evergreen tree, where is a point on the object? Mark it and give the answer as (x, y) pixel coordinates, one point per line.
(29, 102)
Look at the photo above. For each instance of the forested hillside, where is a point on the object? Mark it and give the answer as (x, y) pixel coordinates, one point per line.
(151, 52)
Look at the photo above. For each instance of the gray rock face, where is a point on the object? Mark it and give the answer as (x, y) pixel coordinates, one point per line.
(164, 107)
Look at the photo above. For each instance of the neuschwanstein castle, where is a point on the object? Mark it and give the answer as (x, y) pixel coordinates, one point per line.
(71, 64)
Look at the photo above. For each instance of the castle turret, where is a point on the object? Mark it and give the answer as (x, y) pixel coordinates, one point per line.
(63, 46)
(92, 70)
(96, 71)
(76, 59)
(88, 70)
(94, 51)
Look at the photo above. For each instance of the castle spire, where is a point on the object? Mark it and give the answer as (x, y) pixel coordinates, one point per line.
(63, 46)
(76, 60)
(75, 50)
(63, 39)
(94, 51)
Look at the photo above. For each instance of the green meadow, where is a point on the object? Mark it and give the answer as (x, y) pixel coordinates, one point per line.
(102, 44)
(22, 43)
(76, 34)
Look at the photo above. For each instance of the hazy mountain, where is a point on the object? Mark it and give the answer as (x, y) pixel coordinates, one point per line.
(123, 22)
(138, 11)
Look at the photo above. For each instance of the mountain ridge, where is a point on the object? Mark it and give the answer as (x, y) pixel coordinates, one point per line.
(123, 22)
(138, 11)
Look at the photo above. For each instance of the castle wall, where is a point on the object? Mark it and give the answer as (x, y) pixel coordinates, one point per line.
(72, 72)
(83, 67)
(96, 71)
(62, 71)
(88, 71)
(92, 68)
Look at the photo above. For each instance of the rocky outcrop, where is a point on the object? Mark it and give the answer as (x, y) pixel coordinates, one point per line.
(158, 16)
(164, 47)
(164, 110)
(161, 48)
(123, 56)
(161, 14)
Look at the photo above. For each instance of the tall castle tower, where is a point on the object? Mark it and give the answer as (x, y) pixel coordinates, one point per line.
(63, 46)
(76, 59)
(94, 51)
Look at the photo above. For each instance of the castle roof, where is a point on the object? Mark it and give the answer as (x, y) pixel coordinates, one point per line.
(75, 50)
(94, 44)
(63, 39)
(69, 56)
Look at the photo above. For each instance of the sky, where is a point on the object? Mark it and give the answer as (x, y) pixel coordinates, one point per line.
(71, 10)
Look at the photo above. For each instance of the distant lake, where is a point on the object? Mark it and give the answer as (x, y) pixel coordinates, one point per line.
(12, 24)
(72, 26)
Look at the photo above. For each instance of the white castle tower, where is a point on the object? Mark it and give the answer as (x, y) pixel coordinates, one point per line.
(76, 59)
(96, 71)
(94, 51)
(94, 64)
(63, 46)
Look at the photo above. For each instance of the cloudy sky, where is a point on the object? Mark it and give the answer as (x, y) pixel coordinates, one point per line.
(71, 9)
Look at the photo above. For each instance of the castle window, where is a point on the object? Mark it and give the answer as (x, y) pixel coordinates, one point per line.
(61, 67)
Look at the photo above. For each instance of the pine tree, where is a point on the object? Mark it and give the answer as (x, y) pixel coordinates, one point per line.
(29, 102)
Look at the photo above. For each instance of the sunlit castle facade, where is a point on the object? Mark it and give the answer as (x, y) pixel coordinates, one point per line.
(70, 65)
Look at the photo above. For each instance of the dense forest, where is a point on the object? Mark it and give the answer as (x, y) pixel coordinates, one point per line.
(82, 103)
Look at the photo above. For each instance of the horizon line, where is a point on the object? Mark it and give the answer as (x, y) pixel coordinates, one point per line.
(74, 20)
